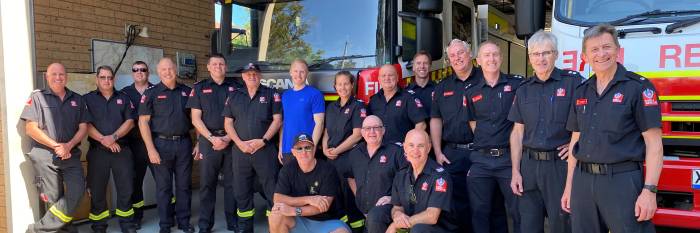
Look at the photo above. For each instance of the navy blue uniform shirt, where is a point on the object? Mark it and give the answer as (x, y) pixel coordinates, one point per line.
(58, 119)
(489, 107)
(374, 176)
(169, 116)
(209, 97)
(252, 116)
(109, 114)
(449, 105)
(432, 188)
(399, 115)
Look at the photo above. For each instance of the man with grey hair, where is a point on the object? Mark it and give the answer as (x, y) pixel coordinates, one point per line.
(616, 125)
(539, 140)
(449, 133)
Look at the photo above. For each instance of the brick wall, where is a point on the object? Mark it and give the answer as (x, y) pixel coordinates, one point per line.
(65, 28)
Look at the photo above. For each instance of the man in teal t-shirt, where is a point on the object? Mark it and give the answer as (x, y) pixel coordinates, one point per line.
(302, 110)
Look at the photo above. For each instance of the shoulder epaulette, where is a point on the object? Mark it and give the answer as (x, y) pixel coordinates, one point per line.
(195, 83)
(411, 91)
(439, 169)
(636, 77)
(516, 76)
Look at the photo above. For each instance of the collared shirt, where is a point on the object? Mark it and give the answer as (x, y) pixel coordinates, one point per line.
(252, 116)
(341, 120)
(109, 114)
(432, 188)
(425, 94)
(400, 114)
(209, 97)
(58, 119)
(611, 124)
(447, 99)
(374, 175)
(489, 107)
(169, 116)
(543, 108)
(135, 98)
(322, 180)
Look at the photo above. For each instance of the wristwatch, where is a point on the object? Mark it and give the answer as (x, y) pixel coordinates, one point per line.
(651, 188)
(297, 211)
(114, 136)
(265, 141)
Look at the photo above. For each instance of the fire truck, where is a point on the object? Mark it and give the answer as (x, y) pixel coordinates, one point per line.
(660, 40)
(358, 36)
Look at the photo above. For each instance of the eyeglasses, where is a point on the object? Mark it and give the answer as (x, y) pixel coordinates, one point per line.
(139, 69)
(542, 54)
(110, 78)
(373, 128)
(304, 148)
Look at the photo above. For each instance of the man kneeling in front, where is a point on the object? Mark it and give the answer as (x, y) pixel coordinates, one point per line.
(305, 193)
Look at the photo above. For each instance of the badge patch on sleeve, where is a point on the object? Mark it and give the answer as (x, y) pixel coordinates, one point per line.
(418, 103)
(277, 97)
(649, 97)
(29, 101)
(363, 113)
(561, 92)
(440, 185)
(617, 98)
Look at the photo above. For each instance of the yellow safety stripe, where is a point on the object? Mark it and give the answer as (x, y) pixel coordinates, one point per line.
(267, 213)
(679, 97)
(100, 216)
(357, 224)
(344, 219)
(670, 74)
(63, 217)
(125, 214)
(681, 118)
(682, 137)
(245, 214)
(138, 204)
(331, 98)
(172, 200)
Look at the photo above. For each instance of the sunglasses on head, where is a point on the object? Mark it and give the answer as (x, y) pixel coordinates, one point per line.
(304, 148)
(139, 69)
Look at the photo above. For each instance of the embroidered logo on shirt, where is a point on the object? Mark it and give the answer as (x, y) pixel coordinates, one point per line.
(347, 111)
(382, 159)
(448, 93)
(440, 185)
(143, 99)
(363, 113)
(314, 188)
(206, 91)
(398, 103)
(507, 88)
(561, 92)
(185, 93)
(477, 98)
(73, 103)
(263, 100)
(649, 97)
(29, 101)
(277, 97)
(231, 89)
(418, 103)
(581, 101)
(119, 101)
(617, 98)
(432, 95)
(424, 187)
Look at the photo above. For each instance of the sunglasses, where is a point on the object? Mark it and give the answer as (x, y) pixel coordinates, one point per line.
(304, 148)
(139, 69)
(106, 77)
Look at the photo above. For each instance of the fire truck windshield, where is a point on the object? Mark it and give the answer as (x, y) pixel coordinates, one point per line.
(624, 12)
(332, 34)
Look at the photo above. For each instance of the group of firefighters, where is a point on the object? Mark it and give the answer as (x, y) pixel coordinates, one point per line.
(462, 155)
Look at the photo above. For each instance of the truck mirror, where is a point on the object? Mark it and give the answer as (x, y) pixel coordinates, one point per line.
(430, 6)
(529, 17)
(429, 36)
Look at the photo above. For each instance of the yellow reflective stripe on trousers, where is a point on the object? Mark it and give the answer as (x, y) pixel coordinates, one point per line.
(245, 214)
(98, 217)
(172, 200)
(344, 219)
(124, 213)
(357, 224)
(60, 215)
(138, 204)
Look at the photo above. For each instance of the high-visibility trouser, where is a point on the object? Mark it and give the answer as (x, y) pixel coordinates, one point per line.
(141, 162)
(51, 174)
(263, 166)
(100, 163)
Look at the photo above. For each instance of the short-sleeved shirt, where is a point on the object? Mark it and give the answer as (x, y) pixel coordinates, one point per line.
(374, 176)
(58, 119)
(209, 97)
(611, 124)
(425, 94)
(400, 114)
(298, 109)
(432, 188)
(252, 116)
(169, 116)
(489, 107)
(323, 180)
(449, 105)
(341, 120)
(109, 114)
(135, 98)
(543, 108)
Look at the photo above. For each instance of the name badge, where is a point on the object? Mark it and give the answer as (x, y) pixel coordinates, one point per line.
(206, 91)
(581, 101)
(448, 93)
(477, 98)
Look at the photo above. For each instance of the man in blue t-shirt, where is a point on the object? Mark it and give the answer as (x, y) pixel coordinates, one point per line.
(302, 110)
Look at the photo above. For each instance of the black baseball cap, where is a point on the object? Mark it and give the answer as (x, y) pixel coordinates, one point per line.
(303, 137)
(249, 67)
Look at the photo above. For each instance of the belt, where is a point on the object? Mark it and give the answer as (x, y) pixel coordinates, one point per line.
(609, 168)
(541, 155)
(218, 132)
(495, 152)
(170, 137)
(467, 146)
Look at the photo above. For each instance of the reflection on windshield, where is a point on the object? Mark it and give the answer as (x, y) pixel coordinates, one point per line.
(316, 30)
(591, 12)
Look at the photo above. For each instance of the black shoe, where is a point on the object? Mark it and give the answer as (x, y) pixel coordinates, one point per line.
(245, 225)
(164, 230)
(204, 231)
(128, 230)
(99, 230)
(233, 227)
(186, 229)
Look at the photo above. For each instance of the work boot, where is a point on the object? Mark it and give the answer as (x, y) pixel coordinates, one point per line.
(245, 225)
